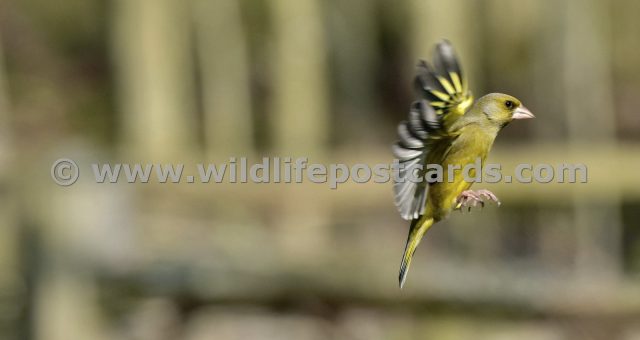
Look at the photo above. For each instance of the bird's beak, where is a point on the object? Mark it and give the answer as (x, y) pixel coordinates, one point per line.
(522, 113)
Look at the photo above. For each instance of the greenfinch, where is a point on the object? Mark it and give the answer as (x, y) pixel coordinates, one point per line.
(445, 127)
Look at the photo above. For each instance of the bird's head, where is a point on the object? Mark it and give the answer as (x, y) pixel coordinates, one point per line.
(501, 109)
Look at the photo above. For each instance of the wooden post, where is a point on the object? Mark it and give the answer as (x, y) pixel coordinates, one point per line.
(153, 63)
(224, 65)
(355, 55)
(299, 117)
(300, 120)
(433, 20)
(590, 117)
(9, 231)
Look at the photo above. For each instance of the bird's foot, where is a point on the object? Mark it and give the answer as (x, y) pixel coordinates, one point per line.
(470, 199)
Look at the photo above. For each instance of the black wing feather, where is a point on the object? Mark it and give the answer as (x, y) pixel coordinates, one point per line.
(445, 60)
(444, 98)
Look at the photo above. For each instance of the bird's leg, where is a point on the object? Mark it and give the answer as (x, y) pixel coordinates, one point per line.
(470, 198)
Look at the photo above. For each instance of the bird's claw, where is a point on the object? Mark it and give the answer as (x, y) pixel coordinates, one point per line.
(471, 199)
(488, 195)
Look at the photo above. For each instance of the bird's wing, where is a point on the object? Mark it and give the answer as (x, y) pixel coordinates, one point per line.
(445, 98)
(444, 86)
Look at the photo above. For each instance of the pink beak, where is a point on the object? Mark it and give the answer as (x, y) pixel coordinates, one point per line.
(522, 113)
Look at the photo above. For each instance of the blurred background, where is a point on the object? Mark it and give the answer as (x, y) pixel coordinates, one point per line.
(199, 81)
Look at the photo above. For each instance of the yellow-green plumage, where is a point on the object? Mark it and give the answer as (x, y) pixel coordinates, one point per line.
(448, 129)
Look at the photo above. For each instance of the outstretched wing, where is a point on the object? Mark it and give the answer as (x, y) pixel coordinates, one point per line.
(445, 88)
(445, 98)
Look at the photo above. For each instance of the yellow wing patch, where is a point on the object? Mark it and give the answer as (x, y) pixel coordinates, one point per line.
(444, 86)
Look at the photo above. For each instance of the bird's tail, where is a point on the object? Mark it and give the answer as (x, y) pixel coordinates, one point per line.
(418, 228)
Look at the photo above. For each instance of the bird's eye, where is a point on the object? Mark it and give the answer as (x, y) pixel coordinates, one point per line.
(509, 104)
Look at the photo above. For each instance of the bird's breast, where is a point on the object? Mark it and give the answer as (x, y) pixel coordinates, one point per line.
(469, 152)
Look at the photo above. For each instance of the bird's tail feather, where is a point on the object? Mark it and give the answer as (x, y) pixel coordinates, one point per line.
(418, 228)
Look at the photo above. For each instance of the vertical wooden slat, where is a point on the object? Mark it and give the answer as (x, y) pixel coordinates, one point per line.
(555, 242)
(299, 111)
(352, 27)
(4, 96)
(590, 117)
(10, 282)
(154, 80)
(224, 66)
(455, 20)
(5, 117)
(547, 64)
(299, 116)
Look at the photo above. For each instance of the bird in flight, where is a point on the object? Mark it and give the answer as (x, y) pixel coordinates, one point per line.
(445, 127)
